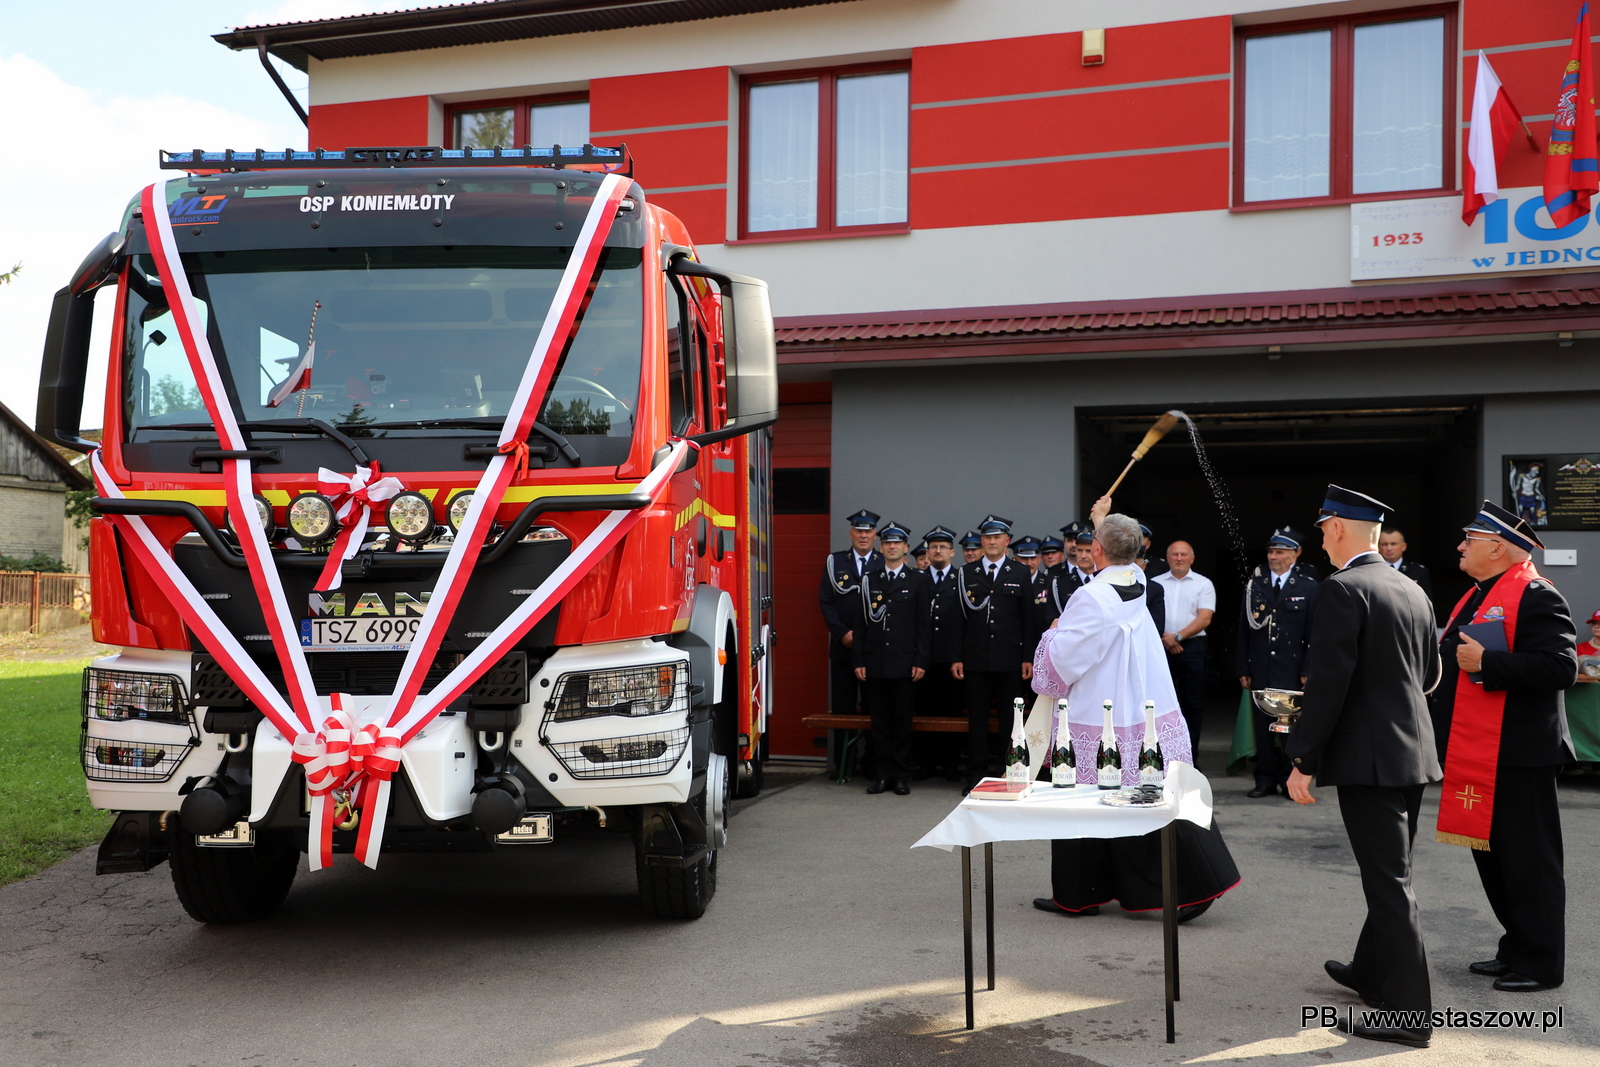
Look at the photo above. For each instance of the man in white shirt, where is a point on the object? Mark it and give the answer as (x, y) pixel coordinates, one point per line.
(1191, 601)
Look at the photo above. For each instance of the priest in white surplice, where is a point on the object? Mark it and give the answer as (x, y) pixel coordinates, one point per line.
(1105, 647)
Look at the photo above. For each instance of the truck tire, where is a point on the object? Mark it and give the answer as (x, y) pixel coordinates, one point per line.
(232, 885)
(683, 892)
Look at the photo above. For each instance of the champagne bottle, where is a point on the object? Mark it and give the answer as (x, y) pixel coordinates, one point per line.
(1063, 761)
(1108, 759)
(1152, 764)
(1017, 758)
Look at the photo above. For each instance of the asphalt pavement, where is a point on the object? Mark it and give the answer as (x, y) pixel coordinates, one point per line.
(830, 941)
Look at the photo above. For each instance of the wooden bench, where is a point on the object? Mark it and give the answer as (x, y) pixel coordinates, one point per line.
(943, 724)
(854, 723)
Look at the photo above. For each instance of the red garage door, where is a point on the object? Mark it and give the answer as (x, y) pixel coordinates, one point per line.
(801, 457)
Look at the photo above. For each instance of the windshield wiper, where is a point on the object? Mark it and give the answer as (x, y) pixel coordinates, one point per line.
(484, 422)
(288, 426)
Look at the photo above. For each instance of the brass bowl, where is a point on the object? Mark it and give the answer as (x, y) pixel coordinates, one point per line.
(1281, 704)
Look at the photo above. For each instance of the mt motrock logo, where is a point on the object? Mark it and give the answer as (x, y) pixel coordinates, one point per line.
(197, 210)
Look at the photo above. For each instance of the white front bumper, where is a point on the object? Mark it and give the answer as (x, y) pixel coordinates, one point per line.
(441, 761)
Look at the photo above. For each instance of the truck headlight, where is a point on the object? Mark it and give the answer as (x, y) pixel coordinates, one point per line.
(117, 696)
(458, 510)
(650, 690)
(311, 517)
(263, 511)
(410, 516)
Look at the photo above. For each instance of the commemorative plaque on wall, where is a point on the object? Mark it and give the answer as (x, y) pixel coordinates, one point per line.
(1554, 492)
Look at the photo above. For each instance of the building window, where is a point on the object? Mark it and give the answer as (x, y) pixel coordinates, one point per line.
(541, 121)
(1345, 109)
(826, 152)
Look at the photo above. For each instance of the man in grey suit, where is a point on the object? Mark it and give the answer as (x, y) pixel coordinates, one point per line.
(1364, 728)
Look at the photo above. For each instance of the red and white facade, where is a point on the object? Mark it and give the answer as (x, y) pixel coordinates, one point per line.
(1033, 224)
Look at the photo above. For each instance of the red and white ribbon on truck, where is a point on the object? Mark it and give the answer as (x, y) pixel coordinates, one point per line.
(339, 754)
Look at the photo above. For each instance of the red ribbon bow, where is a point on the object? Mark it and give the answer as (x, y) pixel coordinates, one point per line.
(341, 758)
(355, 498)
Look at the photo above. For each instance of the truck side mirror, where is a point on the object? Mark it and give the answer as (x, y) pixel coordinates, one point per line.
(65, 365)
(751, 350)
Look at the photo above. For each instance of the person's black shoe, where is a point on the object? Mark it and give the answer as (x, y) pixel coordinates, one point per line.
(1261, 791)
(1396, 1034)
(901, 788)
(1046, 904)
(1193, 911)
(1512, 982)
(1341, 973)
(879, 786)
(1489, 968)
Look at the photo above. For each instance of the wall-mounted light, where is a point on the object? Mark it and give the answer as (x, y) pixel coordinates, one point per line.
(1094, 47)
(1564, 340)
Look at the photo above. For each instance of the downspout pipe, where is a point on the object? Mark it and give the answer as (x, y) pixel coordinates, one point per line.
(277, 79)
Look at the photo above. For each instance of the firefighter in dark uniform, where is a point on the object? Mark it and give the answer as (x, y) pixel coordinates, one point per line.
(1364, 727)
(996, 607)
(971, 547)
(1274, 630)
(1155, 595)
(840, 594)
(1042, 611)
(938, 693)
(1025, 550)
(892, 655)
(919, 556)
(1028, 552)
(1052, 553)
(1153, 565)
(1077, 534)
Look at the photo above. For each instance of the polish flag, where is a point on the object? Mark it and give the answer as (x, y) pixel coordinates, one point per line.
(299, 378)
(1494, 120)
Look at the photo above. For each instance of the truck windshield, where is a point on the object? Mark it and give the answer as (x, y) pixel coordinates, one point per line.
(404, 337)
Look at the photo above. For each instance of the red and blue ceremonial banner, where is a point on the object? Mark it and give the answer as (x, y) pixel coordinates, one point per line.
(1572, 162)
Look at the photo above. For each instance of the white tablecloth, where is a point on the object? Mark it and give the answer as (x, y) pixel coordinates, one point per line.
(1050, 813)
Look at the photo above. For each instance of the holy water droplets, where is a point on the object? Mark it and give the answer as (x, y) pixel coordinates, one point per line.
(1224, 500)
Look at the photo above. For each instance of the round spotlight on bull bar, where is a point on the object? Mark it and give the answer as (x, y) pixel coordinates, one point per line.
(312, 519)
(410, 516)
(264, 511)
(458, 509)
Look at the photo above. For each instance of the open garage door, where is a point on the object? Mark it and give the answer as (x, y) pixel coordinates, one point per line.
(1420, 459)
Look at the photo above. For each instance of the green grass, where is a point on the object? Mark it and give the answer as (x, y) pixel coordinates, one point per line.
(44, 809)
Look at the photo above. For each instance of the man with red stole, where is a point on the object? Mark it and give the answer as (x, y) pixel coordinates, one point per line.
(1500, 720)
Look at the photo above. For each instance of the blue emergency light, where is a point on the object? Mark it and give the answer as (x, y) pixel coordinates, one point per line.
(556, 156)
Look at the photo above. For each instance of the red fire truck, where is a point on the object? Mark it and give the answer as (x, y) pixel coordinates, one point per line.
(434, 515)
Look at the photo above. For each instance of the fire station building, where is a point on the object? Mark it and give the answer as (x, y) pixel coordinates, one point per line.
(1003, 237)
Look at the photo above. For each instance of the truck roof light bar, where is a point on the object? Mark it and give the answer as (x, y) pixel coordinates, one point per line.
(608, 160)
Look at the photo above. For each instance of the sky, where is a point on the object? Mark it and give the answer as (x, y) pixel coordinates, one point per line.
(116, 81)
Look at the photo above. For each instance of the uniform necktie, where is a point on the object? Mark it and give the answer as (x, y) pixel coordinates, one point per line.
(993, 567)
